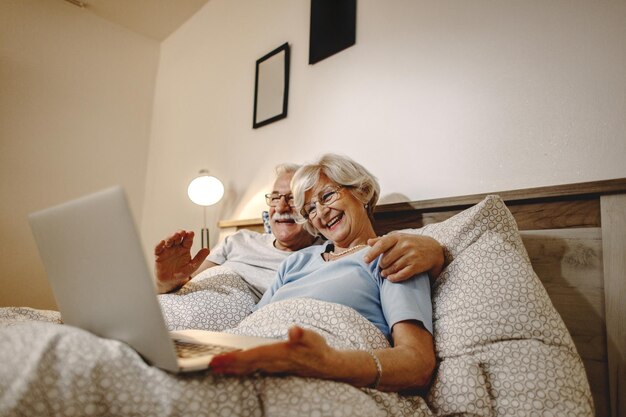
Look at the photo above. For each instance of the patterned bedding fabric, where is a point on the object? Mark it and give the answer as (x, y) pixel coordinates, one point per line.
(52, 369)
(502, 349)
(216, 299)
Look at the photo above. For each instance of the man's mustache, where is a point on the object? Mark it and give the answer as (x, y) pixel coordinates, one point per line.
(283, 217)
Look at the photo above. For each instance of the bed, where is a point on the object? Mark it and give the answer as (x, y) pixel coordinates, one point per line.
(507, 343)
(575, 236)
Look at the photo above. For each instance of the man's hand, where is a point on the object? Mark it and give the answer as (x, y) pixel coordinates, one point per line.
(405, 255)
(173, 262)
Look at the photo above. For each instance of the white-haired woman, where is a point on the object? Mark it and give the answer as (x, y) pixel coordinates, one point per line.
(336, 197)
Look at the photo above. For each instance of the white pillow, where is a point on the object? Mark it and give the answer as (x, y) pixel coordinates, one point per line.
(502, 348)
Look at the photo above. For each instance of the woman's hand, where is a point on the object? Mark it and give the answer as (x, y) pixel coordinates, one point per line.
(173, 262)
(405, 255)
(408, 365)
(305, 353)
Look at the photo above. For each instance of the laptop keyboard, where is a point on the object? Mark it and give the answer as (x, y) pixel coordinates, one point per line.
(191, 350)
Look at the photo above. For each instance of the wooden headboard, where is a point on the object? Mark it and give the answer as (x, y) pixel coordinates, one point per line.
(575, 236)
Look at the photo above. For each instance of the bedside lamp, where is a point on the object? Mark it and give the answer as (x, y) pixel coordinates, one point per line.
(205, 190)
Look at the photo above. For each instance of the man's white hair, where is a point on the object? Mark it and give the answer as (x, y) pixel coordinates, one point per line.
(286, 168)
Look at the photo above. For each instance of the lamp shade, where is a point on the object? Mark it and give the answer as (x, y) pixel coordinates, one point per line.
(205, 190)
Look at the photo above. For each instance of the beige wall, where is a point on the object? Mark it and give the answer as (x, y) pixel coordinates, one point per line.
(437, 98)
(76, 95)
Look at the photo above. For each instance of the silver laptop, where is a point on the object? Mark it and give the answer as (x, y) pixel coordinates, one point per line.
(100, 279)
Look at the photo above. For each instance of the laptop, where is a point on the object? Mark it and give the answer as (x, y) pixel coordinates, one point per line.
(101, 282)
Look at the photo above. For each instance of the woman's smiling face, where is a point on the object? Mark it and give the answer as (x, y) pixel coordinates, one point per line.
(345, 221)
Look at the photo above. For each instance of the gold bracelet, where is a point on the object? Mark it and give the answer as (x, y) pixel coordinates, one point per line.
(379, 369)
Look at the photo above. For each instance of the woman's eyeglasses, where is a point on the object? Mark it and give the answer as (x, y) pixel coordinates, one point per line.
(324, 198)
(273, 199)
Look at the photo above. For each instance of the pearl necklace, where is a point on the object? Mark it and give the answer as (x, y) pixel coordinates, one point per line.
(332, 255)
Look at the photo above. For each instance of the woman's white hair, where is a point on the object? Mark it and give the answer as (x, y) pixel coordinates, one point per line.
(341, 170)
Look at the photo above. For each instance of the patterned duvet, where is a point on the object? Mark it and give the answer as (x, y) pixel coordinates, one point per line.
(53, 369)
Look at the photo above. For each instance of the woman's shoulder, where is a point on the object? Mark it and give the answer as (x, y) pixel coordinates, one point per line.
(314, 249)
(300, 259)
(305, 255)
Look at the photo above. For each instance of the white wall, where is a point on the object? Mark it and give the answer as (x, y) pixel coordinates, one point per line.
(76, 95)
(437, 98)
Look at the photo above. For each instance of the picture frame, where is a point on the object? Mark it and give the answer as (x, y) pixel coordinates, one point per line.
(332, 28)
(271, 87)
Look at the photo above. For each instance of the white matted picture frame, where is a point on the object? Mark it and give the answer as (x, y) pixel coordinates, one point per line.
(271, 87)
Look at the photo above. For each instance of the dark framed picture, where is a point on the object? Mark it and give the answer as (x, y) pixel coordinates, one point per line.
(271, 87)
(332, 29)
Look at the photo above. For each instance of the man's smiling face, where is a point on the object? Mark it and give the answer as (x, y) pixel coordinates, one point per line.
(289, 235)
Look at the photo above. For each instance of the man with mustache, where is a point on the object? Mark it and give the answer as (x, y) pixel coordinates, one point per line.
(256, 257)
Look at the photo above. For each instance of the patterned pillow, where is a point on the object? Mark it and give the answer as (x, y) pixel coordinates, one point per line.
(265, 215)
(502, 348)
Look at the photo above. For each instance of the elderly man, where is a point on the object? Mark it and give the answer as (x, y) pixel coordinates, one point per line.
(256, 256)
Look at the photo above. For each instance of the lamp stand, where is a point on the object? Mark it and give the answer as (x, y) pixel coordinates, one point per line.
(205, 237)
(205, 231)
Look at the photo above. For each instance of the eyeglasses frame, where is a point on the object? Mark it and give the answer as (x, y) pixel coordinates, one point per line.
(269, 197)
(335, 189)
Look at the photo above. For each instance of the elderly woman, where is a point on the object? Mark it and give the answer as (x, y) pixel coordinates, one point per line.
(336, 197)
